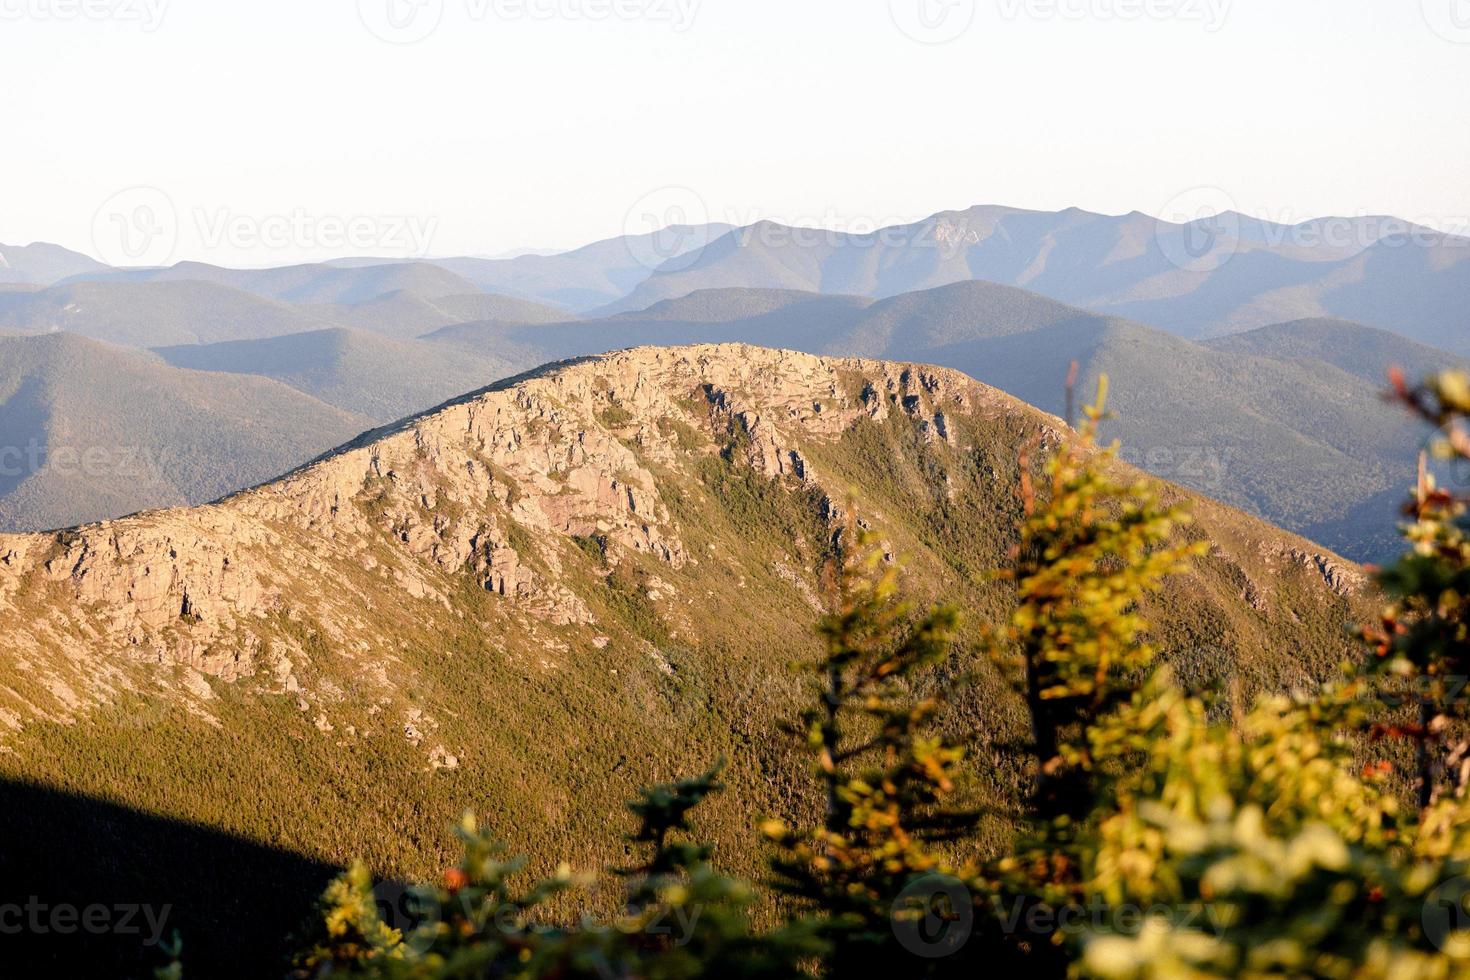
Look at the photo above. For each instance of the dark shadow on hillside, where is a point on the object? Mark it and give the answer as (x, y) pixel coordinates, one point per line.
(22, 435)
(233, 902)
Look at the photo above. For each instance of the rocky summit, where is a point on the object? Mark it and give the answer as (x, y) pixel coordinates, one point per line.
(568, 452)
(539, 596)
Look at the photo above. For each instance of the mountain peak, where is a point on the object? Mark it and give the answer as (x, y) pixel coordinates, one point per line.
(43, 263)
(494, 486)
(573, 449)
(618, 555)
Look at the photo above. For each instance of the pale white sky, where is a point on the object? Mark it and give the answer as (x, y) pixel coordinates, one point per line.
(279, 130)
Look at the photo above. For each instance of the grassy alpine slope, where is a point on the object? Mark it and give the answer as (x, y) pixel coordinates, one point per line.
(539, 598)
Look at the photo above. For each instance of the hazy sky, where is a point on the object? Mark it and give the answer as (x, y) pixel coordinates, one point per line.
(276, 130)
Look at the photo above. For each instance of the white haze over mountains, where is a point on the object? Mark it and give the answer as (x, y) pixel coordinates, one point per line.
(1195, 276)
(506, 125)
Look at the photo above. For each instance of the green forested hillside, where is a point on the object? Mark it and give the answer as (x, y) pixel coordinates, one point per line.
(364, 373)
(90, 431)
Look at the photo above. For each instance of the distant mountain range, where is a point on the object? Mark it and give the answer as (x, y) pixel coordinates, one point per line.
(1218, 275)
(1246, 355)
(1222, 274)
(591, 276)
(148, 314)
(406, 315)
(162, 312)
(317, 283)
(42, 264)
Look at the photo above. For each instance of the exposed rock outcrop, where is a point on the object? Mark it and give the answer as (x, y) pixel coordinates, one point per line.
(483, 492)
(476, 487)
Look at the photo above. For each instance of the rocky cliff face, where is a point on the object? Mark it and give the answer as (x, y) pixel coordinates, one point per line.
(487, 489)
(469, 488)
